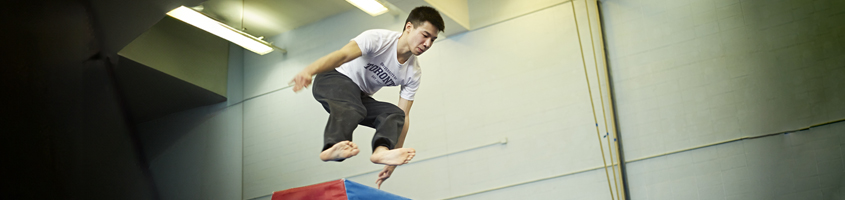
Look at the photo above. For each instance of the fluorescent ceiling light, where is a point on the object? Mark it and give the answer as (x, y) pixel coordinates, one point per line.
(372, 7)
(222, 30)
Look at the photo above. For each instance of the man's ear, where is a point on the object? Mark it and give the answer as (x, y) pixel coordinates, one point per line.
(409, 26)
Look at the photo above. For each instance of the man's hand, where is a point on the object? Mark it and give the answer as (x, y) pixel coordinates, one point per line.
(301, 80)
(384, 174)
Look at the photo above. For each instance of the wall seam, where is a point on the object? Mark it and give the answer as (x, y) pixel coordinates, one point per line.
(623, 170)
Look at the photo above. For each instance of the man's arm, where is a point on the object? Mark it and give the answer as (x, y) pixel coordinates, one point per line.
(405, 105)
(327, 62)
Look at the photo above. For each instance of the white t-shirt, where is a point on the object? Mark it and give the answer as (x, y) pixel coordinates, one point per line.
(378, 65)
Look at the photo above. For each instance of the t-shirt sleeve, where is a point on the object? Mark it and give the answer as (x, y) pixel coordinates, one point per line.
(409, 90)
(368, 42)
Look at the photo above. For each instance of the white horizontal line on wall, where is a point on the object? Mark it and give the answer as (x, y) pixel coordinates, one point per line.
(531, 181)
(644, 158)
(733, 140)
(502, 141)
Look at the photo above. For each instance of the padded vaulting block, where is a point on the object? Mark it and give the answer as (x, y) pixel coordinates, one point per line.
(335, 190)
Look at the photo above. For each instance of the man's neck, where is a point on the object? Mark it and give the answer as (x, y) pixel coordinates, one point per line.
(403, 51)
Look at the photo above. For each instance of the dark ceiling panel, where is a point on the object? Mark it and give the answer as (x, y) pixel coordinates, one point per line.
(151, 94)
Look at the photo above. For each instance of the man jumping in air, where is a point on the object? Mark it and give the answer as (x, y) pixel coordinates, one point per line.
(347, 78)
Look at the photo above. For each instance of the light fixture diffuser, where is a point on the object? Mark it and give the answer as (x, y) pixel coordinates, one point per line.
(372, 7)
(222, 30)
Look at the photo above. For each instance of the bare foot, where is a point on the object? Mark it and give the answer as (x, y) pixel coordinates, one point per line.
(393, 157)
(339, 151)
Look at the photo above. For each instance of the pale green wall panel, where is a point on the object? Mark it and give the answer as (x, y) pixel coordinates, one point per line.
(183, 51)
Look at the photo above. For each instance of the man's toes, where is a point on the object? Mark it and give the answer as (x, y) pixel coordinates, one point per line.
(340, 145)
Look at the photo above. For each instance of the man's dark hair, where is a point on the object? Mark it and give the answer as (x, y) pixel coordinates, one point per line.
(422, 14)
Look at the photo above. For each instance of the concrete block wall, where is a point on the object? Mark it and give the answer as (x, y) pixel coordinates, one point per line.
(522, 79)
(197, 154)
(694, 72)
(800, 165)
(684, 75)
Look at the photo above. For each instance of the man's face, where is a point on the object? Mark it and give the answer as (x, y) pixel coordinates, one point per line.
(421, 37)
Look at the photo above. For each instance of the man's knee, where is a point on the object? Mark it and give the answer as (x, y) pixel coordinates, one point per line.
(396, 115)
